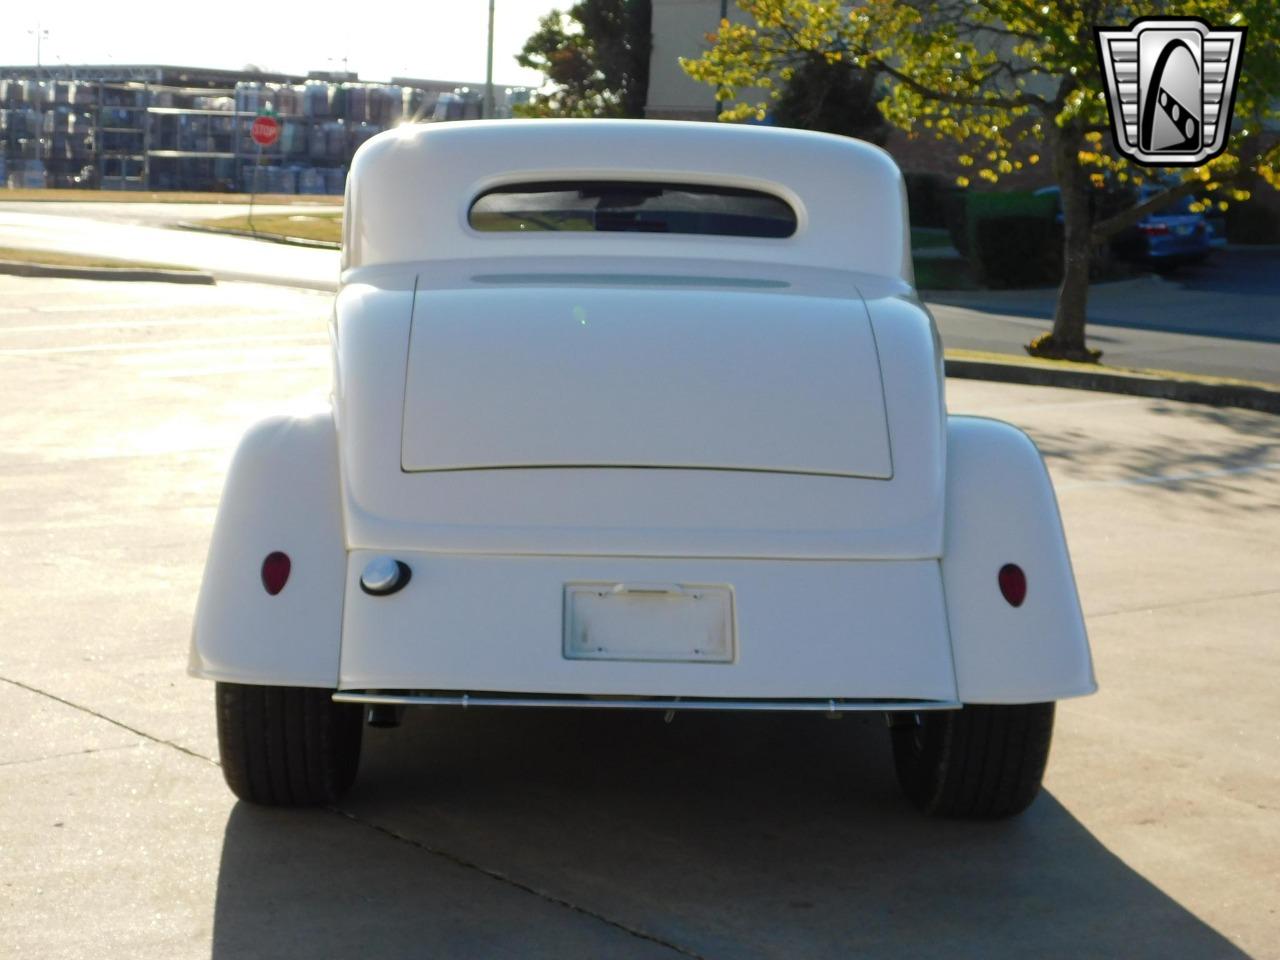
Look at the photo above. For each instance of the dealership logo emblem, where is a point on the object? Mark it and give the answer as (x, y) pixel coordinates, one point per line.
(1171, 84)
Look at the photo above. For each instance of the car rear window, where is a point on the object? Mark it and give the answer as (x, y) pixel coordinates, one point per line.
(632, 207)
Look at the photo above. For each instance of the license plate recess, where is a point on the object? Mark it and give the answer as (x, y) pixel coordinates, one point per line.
(649, 621)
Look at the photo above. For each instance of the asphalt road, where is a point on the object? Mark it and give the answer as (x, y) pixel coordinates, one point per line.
(1221, 318)
(549, 835)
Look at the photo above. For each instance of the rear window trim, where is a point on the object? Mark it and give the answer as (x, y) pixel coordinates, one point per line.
(794, 219)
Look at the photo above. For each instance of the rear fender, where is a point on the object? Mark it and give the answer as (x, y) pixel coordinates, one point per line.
(1000, 508)
(281, 493)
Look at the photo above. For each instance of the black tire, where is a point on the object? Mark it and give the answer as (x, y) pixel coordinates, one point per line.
(980, 762)
(287, 746)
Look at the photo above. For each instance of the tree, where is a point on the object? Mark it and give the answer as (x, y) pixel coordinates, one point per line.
(1008, 79)
(596, 56)
(833, 98)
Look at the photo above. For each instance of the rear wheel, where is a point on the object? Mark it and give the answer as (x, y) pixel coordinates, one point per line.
(287, 746)
(980, 762)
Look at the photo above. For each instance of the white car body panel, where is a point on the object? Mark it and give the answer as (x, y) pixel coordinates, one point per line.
(282, 493)
(563, 376)
(410, 190)
(761, 419)
(805, 629)
(668, 512)
(1001, 508)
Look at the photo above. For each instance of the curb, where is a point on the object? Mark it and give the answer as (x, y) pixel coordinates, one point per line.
(1244, 396)
(265, 237)
(19, 268)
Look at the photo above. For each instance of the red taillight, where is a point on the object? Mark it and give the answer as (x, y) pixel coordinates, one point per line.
(1013, 584)
(1154, 229)
(275, 572)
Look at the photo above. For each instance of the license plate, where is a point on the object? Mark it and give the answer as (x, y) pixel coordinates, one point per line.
(649, 621)
(1184, 231)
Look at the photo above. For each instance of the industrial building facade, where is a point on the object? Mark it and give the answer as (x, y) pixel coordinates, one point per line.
(186, 128)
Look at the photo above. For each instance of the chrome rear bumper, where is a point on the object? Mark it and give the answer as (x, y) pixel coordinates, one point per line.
(587, 702)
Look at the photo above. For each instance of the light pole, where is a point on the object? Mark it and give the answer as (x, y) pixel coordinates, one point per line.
(488, 71)
(40, 34)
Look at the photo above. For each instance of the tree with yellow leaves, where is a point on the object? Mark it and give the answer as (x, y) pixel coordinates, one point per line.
(1007, 78)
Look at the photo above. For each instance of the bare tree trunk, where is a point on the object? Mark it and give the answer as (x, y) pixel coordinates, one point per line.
(1069, 316)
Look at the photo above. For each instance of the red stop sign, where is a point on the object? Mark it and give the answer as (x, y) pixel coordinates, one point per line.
(265, 131)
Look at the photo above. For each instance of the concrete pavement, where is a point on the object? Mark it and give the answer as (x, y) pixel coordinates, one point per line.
(155, 214)
(226, 257)
(492, 834)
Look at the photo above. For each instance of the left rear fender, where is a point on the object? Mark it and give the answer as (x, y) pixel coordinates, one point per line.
(281, 493)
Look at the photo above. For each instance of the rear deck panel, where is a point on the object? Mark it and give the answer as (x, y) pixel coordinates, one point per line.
(579, 376)
(801, 629)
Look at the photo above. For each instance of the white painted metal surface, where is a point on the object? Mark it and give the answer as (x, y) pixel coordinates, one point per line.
(581, 376)
(410, 190)
(1001, 509)
(804, 629)
(516, 414)
(281, 494)
(666, 512)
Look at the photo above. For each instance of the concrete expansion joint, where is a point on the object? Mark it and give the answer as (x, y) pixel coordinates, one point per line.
(1175, 604)
(68, 753)
(103, 717)
(524, 887)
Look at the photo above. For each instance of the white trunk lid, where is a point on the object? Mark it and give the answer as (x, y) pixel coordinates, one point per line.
(625, 376)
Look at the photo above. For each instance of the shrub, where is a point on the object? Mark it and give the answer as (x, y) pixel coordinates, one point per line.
(1252, 222)
(955, 214)
(1017, 250)
(928, 196)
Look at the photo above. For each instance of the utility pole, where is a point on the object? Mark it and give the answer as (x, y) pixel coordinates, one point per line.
(724, 15)
(40, 35)
(488, 71)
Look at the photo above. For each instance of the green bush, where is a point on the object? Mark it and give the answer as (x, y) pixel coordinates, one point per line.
(966, 209)
(955, 215)
(1251, 222)
(1017, 250)
(928, 195)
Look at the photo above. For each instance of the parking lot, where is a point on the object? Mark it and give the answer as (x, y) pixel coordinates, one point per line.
(552, 835)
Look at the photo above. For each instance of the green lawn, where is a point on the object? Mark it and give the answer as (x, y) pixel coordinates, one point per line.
(309, 226)
(142, 196)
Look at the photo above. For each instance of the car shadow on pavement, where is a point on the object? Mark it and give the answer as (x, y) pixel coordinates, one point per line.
(488, 833)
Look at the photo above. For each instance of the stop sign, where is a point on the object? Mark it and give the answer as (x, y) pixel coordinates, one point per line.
(265, 131)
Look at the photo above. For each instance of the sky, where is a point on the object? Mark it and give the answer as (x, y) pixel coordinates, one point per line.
(430, 39)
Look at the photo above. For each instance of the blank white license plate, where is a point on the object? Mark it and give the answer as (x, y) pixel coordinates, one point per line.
(648, 621)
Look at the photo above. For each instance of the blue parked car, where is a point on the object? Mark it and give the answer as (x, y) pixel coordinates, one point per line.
(1174, 234)
(1171, 236)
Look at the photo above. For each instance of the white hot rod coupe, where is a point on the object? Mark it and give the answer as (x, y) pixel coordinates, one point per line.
(640, 415)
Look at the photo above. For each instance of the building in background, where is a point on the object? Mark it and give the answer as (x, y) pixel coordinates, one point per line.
(186, 128)
(680, 29)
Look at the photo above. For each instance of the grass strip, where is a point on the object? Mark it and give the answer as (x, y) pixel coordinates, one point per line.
(176, 196)
(308, 226)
